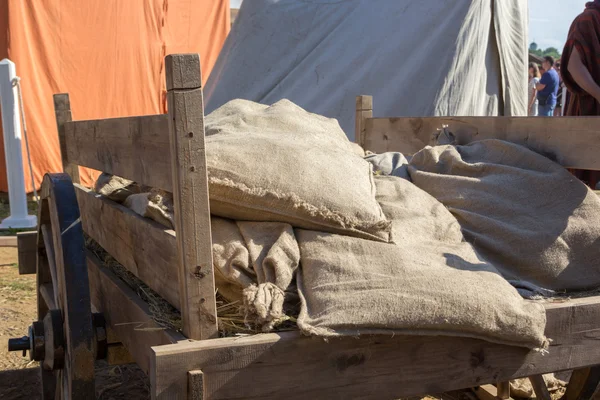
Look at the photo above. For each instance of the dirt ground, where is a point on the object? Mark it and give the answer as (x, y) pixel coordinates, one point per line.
(19, 377)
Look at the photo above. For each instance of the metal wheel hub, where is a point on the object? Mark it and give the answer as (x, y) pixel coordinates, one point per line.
(46, 340)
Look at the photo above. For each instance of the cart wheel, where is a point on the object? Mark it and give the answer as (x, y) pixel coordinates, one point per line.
(67, 338)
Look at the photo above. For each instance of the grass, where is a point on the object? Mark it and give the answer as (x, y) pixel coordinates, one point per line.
(19, 286)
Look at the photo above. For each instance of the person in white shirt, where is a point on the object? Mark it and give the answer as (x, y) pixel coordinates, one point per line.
(534, 78)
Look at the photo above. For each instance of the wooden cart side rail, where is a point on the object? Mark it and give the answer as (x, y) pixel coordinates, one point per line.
(166, 152)
(144, 247)
(136, 148)
(573, 142)
(126, 314)
(289, 365)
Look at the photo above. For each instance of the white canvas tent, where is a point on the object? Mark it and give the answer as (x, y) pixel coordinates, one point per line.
(416, 57)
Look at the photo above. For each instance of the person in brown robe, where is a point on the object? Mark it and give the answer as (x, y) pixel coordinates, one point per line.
(580, 67)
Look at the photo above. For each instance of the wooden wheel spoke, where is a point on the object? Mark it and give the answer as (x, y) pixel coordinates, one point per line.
(47, 293)
(50, 255)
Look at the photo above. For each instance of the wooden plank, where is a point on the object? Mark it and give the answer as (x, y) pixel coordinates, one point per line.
(27, 248)
(62, 112)
(574, 142)
(195, 385)
(190, 196)
(132, 147)
(142, 246)
(540, 388)
(126, 314)
(486, 392)
(364, 110)
(289, 365)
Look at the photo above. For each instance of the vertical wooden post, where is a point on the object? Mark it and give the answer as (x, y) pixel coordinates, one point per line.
(364, 110)
(503, 390)
(195, 385)
(62, 111)
(539, 387)
(190, 195)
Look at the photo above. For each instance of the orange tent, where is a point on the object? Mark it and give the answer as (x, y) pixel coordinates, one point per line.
(107, 54)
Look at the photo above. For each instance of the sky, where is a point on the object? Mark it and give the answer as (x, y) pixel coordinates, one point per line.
(549, 20)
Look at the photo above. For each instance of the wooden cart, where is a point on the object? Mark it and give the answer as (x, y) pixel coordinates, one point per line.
(80, 323)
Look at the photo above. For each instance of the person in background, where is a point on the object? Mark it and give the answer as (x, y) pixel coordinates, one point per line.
(542, 70)
(547, 88)
(534, 78)
(581, 71)
(581, 62)
(559, 99)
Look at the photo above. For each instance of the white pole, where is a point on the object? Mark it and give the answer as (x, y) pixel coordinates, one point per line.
(11, 126)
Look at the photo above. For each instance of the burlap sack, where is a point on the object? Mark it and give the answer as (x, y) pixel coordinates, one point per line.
(255, 264)
(523, 389)
(156, 205)
(525, 214)
(115, 188)
(280, 163)
(390, 163)
(430, 282)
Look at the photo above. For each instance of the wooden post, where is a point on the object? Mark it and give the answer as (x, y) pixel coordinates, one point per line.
(364, 110)
(503, 389)
(62, 111)
(190, 195)
(539, 387)
(195, 385)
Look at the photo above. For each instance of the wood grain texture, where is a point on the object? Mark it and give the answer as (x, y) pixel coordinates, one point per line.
(144, 247)
(195, 385)
(289, 365)
(126, 314)
(573, 142)
(135, 148)
(27, 252)
(190, 197)
(364, 110)
(62, 112)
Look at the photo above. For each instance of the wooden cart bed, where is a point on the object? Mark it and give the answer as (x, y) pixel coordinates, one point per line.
(198, 365)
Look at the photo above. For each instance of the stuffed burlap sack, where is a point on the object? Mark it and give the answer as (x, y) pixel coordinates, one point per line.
(115, 188)
(254, 262)
(528, 216)
(280, 163)
(430, 282)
